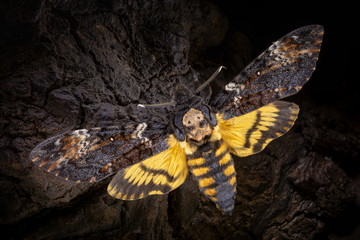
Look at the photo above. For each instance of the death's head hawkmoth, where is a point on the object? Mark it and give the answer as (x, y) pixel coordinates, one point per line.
(152, 158)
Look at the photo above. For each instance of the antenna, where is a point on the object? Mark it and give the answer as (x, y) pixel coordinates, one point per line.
(202, 86)
(157, 104)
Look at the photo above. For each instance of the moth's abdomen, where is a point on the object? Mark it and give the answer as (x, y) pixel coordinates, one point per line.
(212, 167)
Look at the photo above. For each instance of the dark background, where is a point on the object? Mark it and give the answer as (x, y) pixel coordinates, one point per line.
(38, 57)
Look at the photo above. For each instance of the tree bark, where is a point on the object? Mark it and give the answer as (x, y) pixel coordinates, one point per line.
(79, 64)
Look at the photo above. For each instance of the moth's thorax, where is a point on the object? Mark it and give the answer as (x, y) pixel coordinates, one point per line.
(196, 126)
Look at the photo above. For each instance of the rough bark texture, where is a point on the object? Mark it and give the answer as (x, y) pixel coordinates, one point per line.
(78, 64)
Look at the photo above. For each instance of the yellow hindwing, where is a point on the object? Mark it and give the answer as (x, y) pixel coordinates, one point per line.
(156, 175)
(252, 132)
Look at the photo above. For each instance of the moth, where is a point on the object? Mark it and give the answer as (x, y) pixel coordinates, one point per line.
(151, 158)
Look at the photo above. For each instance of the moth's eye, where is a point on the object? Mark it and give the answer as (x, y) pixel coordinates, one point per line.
(189, 122)
(202, 123)
(198, 117)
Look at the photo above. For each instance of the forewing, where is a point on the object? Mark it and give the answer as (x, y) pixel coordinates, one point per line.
(156, 175)
(278, 72)
(252, 132)
(93, 154)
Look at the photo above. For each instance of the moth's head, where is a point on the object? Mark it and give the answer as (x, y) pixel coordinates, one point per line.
(197, 128)
(192, 116)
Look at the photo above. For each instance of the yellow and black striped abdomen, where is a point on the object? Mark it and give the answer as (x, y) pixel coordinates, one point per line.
(212, 167)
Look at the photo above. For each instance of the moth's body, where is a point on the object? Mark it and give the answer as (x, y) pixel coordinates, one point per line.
(153, 158)
(209, 160)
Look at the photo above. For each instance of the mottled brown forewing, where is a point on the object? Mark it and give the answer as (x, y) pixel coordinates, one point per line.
(280, 71)
(93, 154)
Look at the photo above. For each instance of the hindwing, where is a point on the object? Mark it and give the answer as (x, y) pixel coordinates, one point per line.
(252, 132)
(156, 175)
(93, 154)
(278, 72)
